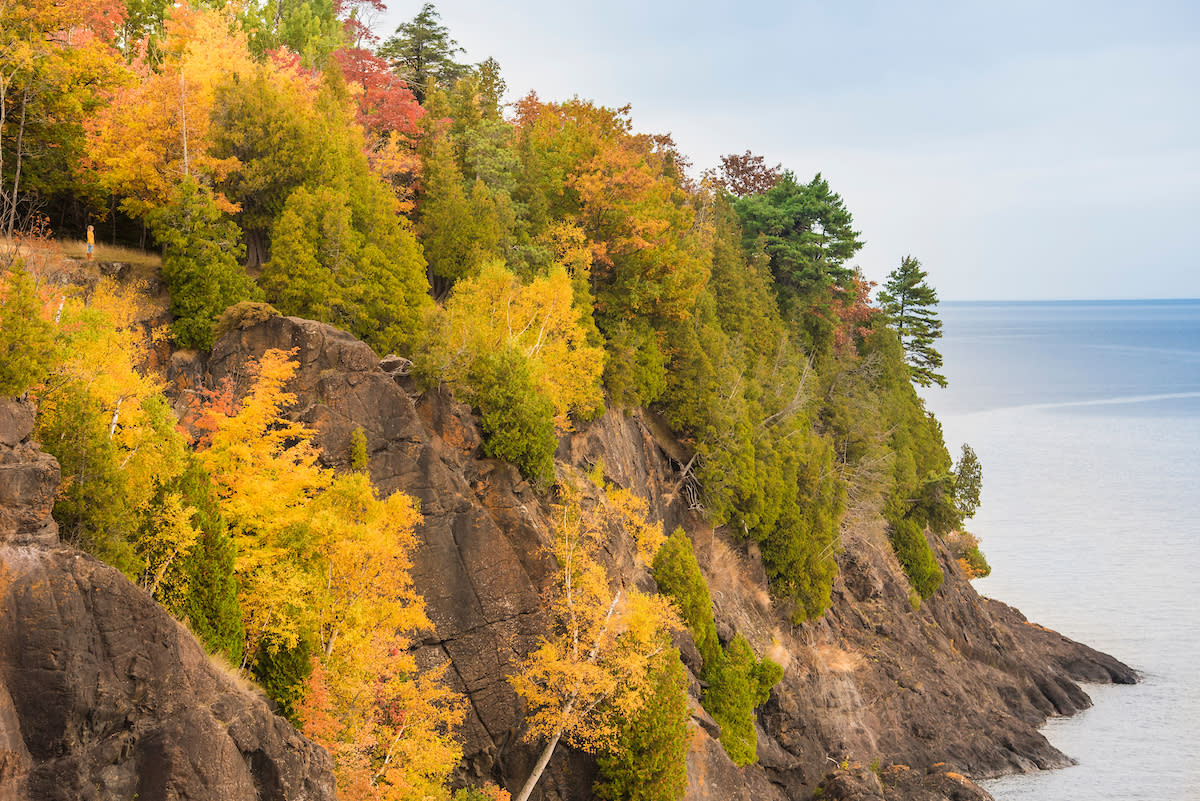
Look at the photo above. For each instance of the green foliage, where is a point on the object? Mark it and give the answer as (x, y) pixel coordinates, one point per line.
(678, 575)
(201, 263)
(282, 673)
(358, 449)
(92, 510)
(739, 683)
(649, 759)
(421, 51)
(968, 482)
(911, 306)
(740, 391)
(916, 557)
(27, 347)
(309, 28)
(806, 233)
(517, 421)
(202, 589)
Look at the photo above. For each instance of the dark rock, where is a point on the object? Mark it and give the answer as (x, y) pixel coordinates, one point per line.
(104, 696)
(114, 269)
(29, 479)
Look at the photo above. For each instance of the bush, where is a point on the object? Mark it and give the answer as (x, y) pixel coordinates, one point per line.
(27, 348)
(517, 420)
(678, 575)
(649, 759)
(738, 683)
(964, 546)
(916, 557)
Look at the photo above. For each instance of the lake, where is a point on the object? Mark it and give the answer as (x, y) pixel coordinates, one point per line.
(1086, 418)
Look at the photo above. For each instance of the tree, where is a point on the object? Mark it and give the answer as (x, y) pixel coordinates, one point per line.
(968, 482)
(27, 347)
(201, 262)
(156, 131)
(594, 668)
(421, 50)
(748, 174)
(911, 306)
(807, 233)
(649, 760)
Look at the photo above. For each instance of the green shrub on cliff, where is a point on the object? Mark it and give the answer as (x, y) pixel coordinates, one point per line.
(648, 762)
(738, 681)
(27, 347)
(678, 575)
(916, 557)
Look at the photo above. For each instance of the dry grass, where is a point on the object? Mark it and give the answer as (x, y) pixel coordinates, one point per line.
(77, 249)
(831, 659)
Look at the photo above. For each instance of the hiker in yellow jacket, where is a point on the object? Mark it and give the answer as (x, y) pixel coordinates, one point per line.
(91, 240)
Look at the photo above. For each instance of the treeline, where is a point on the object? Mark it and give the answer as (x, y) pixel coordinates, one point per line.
(544, 259)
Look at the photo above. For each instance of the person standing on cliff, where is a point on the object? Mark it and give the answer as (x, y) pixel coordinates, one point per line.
(91, 240)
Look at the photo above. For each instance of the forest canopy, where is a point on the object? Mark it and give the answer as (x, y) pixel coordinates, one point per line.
(544, 260)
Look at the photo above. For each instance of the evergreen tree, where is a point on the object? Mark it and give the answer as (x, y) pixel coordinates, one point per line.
(911, 305)
(422, 50)
(201, 263)
(807, 234)
(27, 348)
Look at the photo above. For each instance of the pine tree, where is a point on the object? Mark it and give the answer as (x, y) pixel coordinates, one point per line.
(911, 305)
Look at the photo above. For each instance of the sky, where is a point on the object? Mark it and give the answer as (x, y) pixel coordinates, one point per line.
(1020, 150)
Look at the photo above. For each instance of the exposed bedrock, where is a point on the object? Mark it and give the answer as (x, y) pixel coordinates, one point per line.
(956, 689)
(103, 696)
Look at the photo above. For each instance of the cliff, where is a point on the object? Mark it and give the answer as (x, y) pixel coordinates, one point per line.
(102, 694)
(956, 689)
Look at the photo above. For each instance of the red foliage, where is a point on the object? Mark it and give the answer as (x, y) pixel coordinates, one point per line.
(853, 312)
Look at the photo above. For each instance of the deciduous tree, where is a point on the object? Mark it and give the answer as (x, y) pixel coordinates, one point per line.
(595, 668)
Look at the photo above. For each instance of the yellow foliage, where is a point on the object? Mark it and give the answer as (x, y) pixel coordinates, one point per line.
(173, 536)
(264, 468)
(389, 729)
(493, 310)
(156, 130)
(594, 667)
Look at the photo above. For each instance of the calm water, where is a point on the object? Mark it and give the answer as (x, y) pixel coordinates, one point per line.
(1086, 417)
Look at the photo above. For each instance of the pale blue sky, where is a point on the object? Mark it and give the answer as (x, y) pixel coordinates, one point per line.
(1020, 150)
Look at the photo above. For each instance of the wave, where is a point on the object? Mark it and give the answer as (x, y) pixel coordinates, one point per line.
(1118, 401)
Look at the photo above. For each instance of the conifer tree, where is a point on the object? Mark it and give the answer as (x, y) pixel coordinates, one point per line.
(911, 305)
(201, 262)
(421, 50)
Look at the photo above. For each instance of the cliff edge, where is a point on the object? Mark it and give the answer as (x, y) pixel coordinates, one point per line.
(102, 694)
(928, 697)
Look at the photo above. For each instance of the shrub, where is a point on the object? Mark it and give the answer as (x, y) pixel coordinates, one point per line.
(738, 683)
(517, 420)
(964, 546)
(678, 575)
(649, 759)
(916, 557)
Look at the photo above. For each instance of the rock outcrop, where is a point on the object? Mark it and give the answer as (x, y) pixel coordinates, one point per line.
(954, 689)
(103, 696)
(29, 479)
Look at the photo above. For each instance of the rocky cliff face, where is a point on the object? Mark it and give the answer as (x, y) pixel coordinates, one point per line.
(104, 696)
(930, 697)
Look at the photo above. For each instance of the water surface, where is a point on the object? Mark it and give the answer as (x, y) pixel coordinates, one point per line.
(1086, 417)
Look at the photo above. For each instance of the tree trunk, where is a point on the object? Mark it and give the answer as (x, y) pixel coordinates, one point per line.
(12, 205)
(539, 768)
